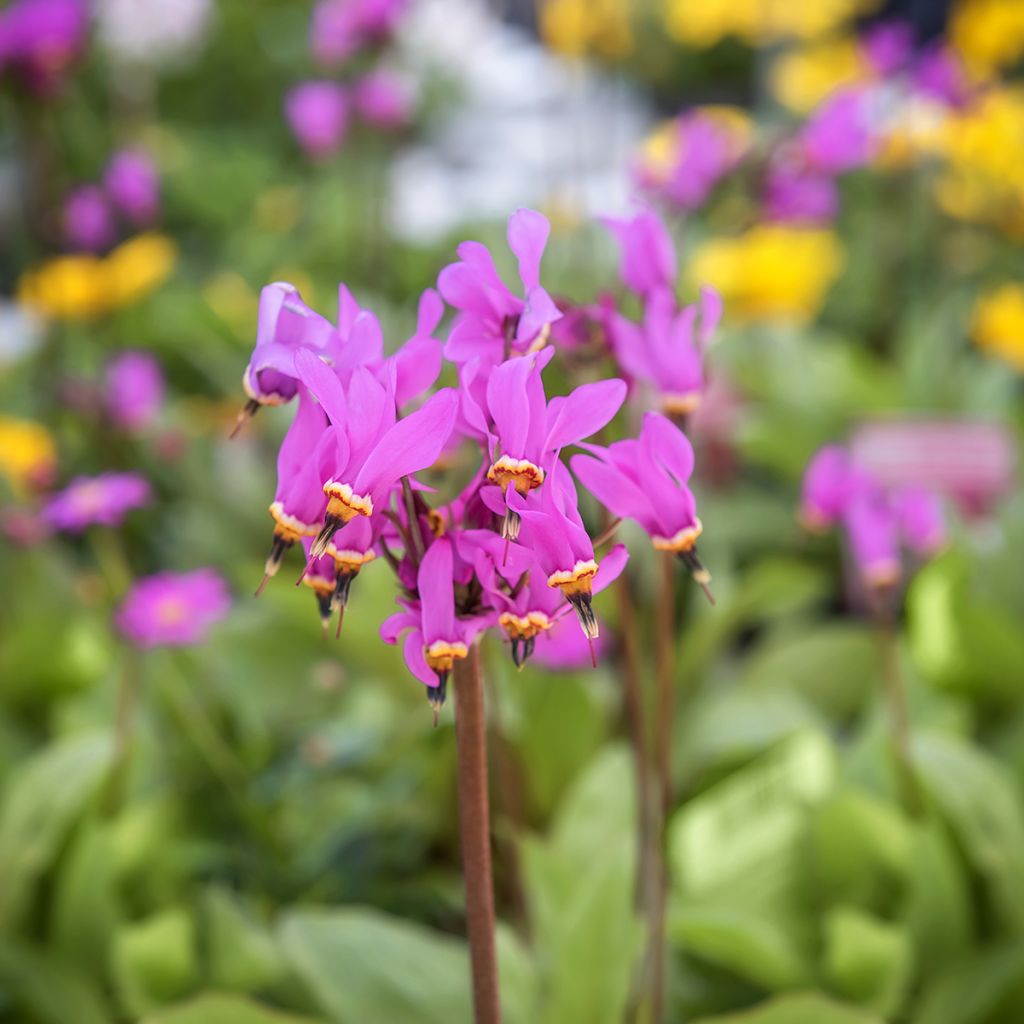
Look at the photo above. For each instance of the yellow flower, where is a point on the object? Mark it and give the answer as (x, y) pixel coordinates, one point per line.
(988, 34)
(997, 325)
(137, 267)
(67, 287)
(806, 75)
(578, 27)
(28, 452)
(82, 287)
(702, 23)
(771, 271)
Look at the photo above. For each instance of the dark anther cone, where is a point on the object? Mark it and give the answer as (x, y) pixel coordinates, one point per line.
(436, 695)
(581, 604)
(248, 411)
(326, 610)
(510, 525)
(696, 569)
(332, 524)
(277, 552)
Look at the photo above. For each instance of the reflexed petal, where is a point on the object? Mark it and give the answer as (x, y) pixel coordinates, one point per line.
(527, 236)
(610, 567)
(323, 382)
(437, 592)
(668, 445)
(509, 404)
(583, 412)
(417, 365)
(412, 651)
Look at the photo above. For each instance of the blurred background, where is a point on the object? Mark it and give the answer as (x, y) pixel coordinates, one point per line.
(267, 831)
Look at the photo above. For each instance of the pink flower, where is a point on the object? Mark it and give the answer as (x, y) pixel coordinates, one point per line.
(173, 609)
(134, 390)
(133, 185)
(41, 39)
(88, 223)
(648, 261)
(318, 114)
(795, 195)
(841, 134)
(383, 99)
(102, 500)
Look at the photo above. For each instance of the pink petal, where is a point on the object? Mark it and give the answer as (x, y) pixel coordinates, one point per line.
(583, 412)
(527, 236)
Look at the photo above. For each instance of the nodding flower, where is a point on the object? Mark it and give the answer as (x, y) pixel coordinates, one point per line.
(829, 482)
(373, 449)
(667, 350)
(319, 577)
(648, 257)
(436, 637)
(350, 549)
(284, 324)
(529, 431)
(299, 502)
(493, 323)
(517, 587)
(646, 480)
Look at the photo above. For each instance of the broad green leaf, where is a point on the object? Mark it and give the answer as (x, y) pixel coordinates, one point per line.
(362, 965)
(749, 945)
(154, 960)
(806, 1008)
(241, 955)
(983, 807)
(580, 882)
(987, 988)
(40, 803)
(49, 990)
(869, 961)
(862, 848)
(221, 1008)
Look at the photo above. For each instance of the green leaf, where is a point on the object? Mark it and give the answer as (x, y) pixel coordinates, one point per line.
(868, 961)
(362, 965)
(48, 989)
(806, 1008)
(41, 802)
(983, 807)
(241, 954)
(749, 945)
(219, 1008)
(988, 988)
(579, 882)
(155, 960)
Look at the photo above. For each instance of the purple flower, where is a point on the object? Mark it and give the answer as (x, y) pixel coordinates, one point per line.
(383, 99)
(921, 519)
(493, 323)
(888, 46)
(646, 480)
(840, 135)
(41, 39)
(648, 257)
(341, 27)
(318, 114)
(133, 185)
(829, 482)
(796, 195)
(941, 76)
(99, 500)
(871, 529)
(134, 390)
(173, 609)
(667, 351)
(88, 223)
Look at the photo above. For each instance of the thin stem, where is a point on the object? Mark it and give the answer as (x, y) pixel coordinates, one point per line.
(475, 831)
(898, 715)
(124, 723)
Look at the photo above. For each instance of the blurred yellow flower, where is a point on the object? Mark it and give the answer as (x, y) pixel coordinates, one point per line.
(771, 271)
(28, 452)
(577, 27)
(988, 34)
(806, 75)
(228, 294)
(81, 287)
(983, 173)
(702, 23)
(997, 325)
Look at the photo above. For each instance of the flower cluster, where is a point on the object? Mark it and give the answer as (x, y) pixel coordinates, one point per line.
(510, 550)
(130, 190)
(41, 40)
(344, 33)
(877, 520)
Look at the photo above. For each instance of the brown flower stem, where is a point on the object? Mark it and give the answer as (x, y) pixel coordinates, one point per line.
(665, 653)
(898, 714)
(475, 831)
(124, 728)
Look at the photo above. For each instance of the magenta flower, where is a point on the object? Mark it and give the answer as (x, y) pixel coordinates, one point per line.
(796, 195)
(339, 28)
(41, 39)
(646, 480)
(648, 257)
(941, 76)
(888, 46)
(667, 351)
(493, 323)
(829, 483)
(173, 609)
(921, 519)
(372, 449)
(841, 135)
(134, 390)
(383, 99)
(318, 115)
(133, 184)
(102, 500)
(871, 529)
(88, 223)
